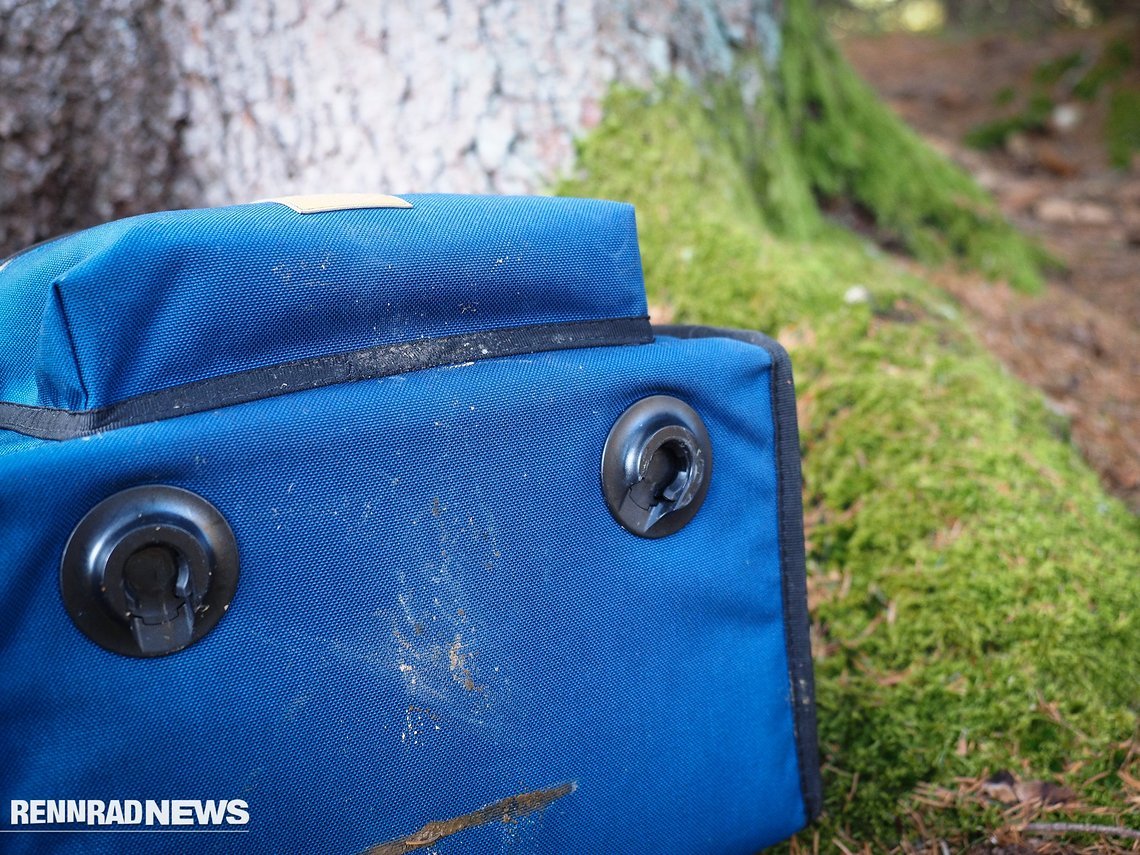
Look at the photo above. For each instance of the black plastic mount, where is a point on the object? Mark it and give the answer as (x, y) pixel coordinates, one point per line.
(656, 466)
(149, 571)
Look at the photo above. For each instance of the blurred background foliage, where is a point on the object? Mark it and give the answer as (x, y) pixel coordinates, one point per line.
(935, 15)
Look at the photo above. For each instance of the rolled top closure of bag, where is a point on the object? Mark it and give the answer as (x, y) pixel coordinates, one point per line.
(165, 299)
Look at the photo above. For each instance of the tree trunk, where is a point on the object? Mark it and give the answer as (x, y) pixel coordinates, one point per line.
(112, 107)
(90, 127)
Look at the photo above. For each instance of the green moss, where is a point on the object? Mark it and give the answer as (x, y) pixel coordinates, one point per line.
(1122, 130)
(818, 133)
(1123, 127)
(1109, 67)
(1053, 70)
(850, 146)
(1005, 96)
(972, 582)
(1033, 119)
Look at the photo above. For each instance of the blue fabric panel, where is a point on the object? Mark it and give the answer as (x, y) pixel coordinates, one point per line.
(436, 609)
(168, 298)
(27, 291)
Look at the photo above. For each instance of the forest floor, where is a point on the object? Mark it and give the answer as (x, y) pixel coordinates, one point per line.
(1050, 170)
(974, 600)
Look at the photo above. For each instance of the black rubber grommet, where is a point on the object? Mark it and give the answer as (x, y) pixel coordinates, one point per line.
(149, 571)
(656, 466)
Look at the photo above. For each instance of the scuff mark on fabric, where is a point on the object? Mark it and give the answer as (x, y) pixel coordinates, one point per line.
(504, 810)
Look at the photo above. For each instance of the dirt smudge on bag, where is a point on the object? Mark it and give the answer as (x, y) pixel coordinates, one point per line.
(458, 661)
(419, 721)
(504, 810)
(438, 637)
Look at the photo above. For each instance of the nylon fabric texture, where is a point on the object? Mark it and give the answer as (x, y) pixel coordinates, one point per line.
(168, 298)
(436, 609)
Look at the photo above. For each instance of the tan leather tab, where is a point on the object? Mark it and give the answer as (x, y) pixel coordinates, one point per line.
(316, 203)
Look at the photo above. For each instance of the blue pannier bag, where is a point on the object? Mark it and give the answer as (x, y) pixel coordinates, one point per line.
(380, 524)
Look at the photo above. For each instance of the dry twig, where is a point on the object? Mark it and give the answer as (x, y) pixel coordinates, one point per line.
(1083, 828)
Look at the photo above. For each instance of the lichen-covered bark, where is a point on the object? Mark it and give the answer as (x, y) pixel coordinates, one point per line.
(116, 106)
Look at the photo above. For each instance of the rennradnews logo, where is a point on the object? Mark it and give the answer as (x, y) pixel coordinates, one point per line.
(182, 814)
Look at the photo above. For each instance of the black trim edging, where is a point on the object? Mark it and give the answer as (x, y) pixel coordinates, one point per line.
(367, 363)
(793, 566)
